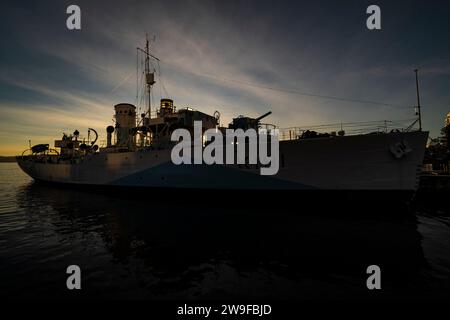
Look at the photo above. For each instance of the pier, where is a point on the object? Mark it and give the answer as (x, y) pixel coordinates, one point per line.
(434, 181)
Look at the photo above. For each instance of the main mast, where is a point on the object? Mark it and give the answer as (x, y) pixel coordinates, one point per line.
(149, 76)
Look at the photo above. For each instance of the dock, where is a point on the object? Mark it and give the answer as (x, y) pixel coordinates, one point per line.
(434, 182)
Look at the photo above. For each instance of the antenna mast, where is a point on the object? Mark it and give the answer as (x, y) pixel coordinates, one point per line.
(418, 99)
(149, 76)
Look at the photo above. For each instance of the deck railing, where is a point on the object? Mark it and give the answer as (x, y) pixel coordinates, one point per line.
(349, 128)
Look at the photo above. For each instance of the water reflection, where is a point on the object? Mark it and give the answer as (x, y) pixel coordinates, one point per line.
(165, 246)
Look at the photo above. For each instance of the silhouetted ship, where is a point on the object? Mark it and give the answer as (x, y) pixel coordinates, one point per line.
(138, 154)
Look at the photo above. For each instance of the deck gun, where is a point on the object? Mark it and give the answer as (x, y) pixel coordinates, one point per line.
(245, 123)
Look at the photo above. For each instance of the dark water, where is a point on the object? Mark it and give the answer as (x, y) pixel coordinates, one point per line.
(140, 246)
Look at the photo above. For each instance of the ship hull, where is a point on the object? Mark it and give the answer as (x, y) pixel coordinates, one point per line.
(361, 162)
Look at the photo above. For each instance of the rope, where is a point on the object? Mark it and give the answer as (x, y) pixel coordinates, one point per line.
(290, 91)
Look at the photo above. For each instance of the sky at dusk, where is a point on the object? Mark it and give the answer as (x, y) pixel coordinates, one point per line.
(221, 55)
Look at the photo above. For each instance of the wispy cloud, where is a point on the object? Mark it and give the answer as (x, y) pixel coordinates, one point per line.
(209, 52)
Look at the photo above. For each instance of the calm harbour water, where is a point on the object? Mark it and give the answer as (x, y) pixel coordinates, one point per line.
(139, 247)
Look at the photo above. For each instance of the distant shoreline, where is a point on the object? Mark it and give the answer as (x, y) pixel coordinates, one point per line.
(7, 159)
